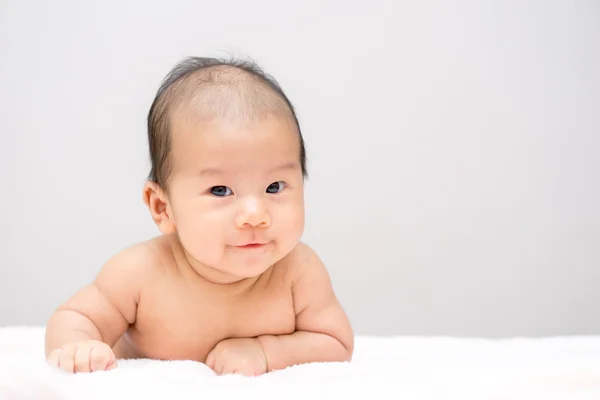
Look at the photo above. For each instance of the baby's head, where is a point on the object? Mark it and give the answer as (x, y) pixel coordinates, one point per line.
(228, 167)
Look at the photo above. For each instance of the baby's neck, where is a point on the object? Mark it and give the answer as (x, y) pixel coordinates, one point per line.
(220, 283)
(216, 277)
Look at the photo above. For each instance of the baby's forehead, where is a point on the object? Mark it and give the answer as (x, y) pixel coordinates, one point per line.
(218, 134)
(227, 93)
(230, 146)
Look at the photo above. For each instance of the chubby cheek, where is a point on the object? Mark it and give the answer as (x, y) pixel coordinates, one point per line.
(291, 225)
(201, 233)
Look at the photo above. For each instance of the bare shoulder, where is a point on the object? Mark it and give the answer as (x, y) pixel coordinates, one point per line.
(315, 302)
(303, 263)
(129, 268)
(110, 300)
(309, 278)
(136, 259)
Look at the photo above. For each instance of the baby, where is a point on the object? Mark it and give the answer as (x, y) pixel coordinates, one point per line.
(228, 282)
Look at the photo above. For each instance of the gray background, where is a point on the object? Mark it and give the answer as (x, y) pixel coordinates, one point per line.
(453, 149)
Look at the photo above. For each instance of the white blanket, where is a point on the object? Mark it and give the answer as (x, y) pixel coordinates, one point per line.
(383, 367)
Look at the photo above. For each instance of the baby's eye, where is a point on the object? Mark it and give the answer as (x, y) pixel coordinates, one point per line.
(221, 191)
(275, 187)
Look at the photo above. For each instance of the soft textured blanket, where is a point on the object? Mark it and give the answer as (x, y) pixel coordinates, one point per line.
(383, 367)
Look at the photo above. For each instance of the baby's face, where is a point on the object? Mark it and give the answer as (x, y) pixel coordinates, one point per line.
(236, 193)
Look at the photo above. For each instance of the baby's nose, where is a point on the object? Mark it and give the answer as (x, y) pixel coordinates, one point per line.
(253, 214)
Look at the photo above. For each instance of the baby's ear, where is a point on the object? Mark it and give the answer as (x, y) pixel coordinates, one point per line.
(156, 200)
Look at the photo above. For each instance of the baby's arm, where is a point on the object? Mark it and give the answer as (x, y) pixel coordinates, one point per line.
(323, 331)
(98, 314)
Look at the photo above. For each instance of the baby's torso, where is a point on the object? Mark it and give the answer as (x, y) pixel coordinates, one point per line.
(182, 319)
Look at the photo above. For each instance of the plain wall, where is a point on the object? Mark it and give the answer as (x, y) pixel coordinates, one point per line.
(453, 149)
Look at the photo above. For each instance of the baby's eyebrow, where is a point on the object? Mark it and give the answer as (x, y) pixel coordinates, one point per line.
(280, 167)
(212, 171)
(284, 166)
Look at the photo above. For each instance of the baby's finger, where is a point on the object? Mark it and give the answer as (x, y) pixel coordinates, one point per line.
(99, 358)
(242, 370)
(232, 369)
(112, 361)
(111, 364)
(82, 359)
(54, 358)
(210, 360)
(67, 359)
(218, 366)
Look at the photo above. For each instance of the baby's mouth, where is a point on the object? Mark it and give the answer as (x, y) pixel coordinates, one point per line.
(252, 245)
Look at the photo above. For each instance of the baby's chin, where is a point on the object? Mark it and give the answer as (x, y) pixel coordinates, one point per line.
(247, 270)
(232, 269)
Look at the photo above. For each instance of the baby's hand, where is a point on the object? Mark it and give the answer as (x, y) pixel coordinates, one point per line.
(238, 356)
(83, 356)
